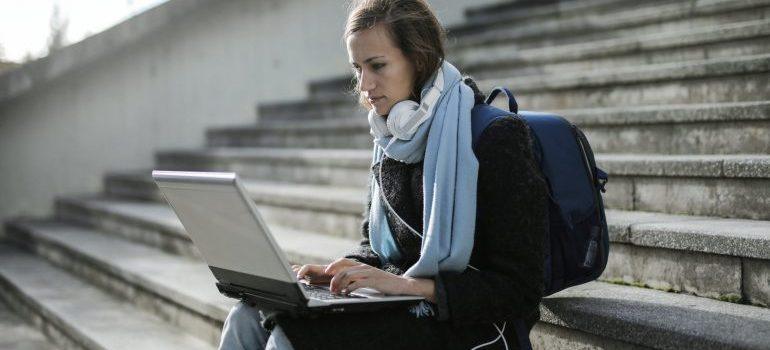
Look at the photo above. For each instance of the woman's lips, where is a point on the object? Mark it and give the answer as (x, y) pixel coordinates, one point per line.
(373, 100)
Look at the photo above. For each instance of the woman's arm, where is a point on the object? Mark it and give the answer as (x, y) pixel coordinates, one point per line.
(510, 233)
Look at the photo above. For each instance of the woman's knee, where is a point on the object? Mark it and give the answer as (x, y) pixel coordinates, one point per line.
(243, 313)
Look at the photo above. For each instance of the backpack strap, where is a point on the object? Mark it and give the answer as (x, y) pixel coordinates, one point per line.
(482, 115)
(513, 106)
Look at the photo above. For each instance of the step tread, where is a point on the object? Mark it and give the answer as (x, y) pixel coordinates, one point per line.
(162, 216)
(658, 319)
(87, 311)
(733, 237)
(632, 115)
(15, 333)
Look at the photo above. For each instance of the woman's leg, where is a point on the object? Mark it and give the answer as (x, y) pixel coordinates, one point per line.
(243, 331)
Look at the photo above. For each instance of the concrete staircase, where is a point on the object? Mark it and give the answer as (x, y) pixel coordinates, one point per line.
(673, 95)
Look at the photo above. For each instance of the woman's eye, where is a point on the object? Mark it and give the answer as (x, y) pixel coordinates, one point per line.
(378, 66)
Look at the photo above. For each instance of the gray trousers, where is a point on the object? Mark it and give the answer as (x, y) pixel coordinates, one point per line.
(243, 331)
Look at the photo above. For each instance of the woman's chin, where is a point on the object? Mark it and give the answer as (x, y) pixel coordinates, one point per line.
(381, 111)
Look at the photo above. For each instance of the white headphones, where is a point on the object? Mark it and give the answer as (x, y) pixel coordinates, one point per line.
(405, 117)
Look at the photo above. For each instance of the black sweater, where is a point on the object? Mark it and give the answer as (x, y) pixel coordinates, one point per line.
(508, 251)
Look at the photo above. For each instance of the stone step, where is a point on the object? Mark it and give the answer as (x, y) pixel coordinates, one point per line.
(609, 316)
(336, 167)
(659, 250)
(622, 21)
(509, 60)
(736, 186)
(719, 128)
(334, 104)
(523, 10)
(180, 290)
(720, 80)
(335, 211)
(740, 79)
(155, 224)
(15, 333)
(581, 314)
(78, 315)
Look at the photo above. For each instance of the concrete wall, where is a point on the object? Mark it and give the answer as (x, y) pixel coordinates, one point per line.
(157, 81)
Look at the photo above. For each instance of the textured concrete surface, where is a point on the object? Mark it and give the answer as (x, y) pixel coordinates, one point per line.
(177, 289)
(707, 275)
(620, 21)
(83, 312)
(15, 333)
(658, 319)
(741, 238)
(756, 281)
(690, 43)
(157, 225)
(545, 336)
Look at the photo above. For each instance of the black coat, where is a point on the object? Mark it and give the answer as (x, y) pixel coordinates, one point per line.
(512, 218)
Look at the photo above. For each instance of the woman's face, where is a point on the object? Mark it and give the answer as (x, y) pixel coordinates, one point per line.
(384, 74)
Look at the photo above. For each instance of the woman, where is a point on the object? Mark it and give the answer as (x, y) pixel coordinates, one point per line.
(464, 230)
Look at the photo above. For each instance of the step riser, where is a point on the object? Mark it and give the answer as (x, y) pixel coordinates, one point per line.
(348, 138)
(277, 114)
(731, 88)
(523, 10)
(548, 336)
(692, 138)
(272, 170)
(535, 65)
(730, 198)
(131, 189)
(54, 329)
(681, 138)
(152, 235)
(345, 225)
(675, 271)
(97, 274)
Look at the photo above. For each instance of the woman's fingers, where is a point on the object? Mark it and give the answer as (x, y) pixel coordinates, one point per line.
(361, 283)
(311, 271)
(343, 278)
(338, 265)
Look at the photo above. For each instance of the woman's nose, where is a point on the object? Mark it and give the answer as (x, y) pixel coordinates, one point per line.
(367, 83)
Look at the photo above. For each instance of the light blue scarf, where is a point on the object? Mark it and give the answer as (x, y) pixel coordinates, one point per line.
(450, 172)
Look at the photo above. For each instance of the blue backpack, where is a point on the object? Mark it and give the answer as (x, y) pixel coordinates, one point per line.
(578, 236)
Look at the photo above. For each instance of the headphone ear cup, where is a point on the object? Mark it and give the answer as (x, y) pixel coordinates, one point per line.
(398, 117)
(379, 128)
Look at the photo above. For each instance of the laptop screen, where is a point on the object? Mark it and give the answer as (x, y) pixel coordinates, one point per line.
(223, 223)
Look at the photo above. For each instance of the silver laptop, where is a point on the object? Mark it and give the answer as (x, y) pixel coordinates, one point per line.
(226, 227)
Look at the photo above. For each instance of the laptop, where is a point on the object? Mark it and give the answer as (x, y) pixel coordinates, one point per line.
(228, 230)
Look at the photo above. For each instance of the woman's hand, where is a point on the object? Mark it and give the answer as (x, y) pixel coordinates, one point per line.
(318, 274)
(348, 279)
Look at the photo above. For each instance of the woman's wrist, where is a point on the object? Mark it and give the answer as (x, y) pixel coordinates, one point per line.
(423, 287)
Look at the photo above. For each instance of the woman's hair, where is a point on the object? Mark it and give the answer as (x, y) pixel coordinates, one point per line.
(411, 25)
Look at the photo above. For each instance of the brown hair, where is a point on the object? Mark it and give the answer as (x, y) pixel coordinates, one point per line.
(413, 28)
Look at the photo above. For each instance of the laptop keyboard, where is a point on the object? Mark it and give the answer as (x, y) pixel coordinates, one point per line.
(323, 293)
